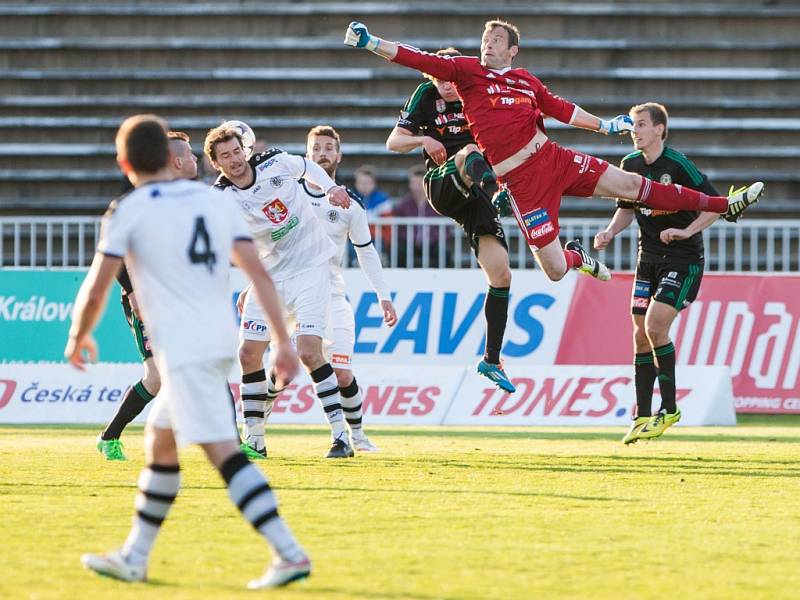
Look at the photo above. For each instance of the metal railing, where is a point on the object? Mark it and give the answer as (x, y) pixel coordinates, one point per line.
(757, 245)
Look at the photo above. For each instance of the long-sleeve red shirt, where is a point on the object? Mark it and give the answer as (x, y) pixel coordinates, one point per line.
(503, 107)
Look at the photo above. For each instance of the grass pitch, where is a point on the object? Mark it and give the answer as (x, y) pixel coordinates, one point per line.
(440, 513)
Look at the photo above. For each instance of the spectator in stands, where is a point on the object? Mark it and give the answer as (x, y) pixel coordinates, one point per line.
(376, 201)
(415, 204)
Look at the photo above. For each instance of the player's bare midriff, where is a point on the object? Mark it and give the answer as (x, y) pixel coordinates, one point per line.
(521, 155)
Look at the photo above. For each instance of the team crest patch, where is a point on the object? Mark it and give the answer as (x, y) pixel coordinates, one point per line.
(276, 211)
(440, 105)
(276, 182)
(333, 216)
(666, 179)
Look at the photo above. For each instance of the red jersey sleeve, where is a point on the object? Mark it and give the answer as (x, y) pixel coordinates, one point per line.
(446, 68)
(552, 105)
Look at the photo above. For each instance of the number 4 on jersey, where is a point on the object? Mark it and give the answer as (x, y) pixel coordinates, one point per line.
(200, 247)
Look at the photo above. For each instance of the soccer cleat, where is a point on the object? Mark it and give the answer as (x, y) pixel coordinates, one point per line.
(282, 572)
(114, 565)
(362, 444)
(111, 449)
(741, 199)
(252, 453)
(633, 433)
(591, 266)
(340, 448)
(659, 423)
(497, 375)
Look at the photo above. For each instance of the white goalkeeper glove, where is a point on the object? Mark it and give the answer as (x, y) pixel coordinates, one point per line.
(358, 37)
(618, 125)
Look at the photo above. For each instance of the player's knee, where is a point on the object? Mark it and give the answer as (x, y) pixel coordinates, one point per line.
(656, 334)
(554, 273)
(344, 377)
(249, 358)
(311, 358)
(501, 278)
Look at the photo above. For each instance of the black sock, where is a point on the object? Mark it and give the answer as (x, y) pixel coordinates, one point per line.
(480, 172)
(665, 360)
(645, 377)
(496, 310)
(132, 404)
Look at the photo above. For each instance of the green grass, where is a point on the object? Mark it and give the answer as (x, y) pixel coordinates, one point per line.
(440, 513)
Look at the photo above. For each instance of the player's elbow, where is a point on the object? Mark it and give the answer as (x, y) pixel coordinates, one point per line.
(394, 145)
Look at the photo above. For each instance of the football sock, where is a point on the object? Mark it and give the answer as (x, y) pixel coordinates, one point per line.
(351, 405)
(158, 486)
(480, 172)
(327, 389)
(677, 197)
(665, 360)
(254, 399)
(252, 495)
(132, 405)
(495, 309)
(644, 379)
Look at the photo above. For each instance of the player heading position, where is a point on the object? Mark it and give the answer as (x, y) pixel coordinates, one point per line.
(669, 266)
(181, 276)
(460, 184)
(182, 165)
(323, 146)
(296, 251)
(505, 107)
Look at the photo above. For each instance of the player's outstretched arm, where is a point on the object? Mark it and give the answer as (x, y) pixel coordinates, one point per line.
(89, 305)
(618, 125)
(703, 221)
(441, 67)
(403, 141)
(358, 36)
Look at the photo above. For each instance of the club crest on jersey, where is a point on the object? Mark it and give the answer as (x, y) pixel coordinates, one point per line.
(276, 211)
(440, 105)
(276, 182)
(665, 179)
(333, 216)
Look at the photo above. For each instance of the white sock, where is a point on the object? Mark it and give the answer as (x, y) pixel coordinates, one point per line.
(327, 389)
(351, 405)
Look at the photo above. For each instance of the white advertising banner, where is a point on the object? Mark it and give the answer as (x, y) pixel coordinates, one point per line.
(48, 393)
(440, 317)
(588, 395)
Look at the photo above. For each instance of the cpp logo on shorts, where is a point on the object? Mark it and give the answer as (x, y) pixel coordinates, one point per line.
(254, 326)
(8, 387)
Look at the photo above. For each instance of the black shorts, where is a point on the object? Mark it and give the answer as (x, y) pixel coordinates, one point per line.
(451, 197)
(138, 330)
(669, 283)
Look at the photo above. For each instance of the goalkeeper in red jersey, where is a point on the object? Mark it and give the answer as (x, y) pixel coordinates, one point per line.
(505, 107)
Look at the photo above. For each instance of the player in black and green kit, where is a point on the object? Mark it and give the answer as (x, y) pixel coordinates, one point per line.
(669, 267)
(460, 184)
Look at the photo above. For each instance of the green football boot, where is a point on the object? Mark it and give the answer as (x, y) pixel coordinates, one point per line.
(633, 433)
(111, 449)
(659, 423)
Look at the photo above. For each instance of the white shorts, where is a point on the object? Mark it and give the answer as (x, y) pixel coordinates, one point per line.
(306, 299)
(195, 403)
(341, 334)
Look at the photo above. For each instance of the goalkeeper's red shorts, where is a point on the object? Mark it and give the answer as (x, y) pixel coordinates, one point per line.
(537, 185)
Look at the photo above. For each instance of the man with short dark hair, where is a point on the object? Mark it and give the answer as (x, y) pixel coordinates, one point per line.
(181, 272)
(668, 270)
(183, 165)
(505, 109)
(459, 184)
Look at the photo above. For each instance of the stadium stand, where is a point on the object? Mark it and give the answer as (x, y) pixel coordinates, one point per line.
(68, 74)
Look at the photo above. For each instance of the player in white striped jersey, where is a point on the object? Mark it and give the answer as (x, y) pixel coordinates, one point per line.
(323, 146)
(296, 251)
(179, 239)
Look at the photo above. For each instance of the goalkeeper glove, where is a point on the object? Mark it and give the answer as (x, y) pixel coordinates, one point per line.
(501, 203)
(618, 125)
(358, 37)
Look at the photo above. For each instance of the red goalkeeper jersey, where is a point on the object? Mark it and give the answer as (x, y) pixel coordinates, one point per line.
(504, 108)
